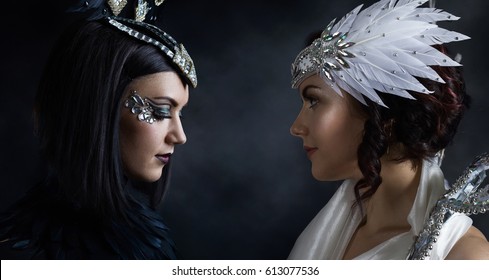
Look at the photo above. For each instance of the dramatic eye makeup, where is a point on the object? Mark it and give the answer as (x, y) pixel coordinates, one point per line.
(148, 110)
(160, 111)
(310, 95)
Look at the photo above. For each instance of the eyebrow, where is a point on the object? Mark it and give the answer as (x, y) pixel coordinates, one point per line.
(303, 92)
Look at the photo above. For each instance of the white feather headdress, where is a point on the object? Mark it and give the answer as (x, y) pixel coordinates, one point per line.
(383, 47)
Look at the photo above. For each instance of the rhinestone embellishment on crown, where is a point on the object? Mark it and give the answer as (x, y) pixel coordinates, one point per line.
(323, 56)
(185, 63)
(116, 6)
(141, 10)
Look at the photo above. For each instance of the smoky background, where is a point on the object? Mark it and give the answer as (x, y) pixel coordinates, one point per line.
(241, 185)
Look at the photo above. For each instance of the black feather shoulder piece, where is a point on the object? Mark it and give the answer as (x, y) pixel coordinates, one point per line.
(43, 226)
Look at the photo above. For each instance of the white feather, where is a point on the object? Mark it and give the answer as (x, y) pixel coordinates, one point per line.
(395, 91)
(344, 25)
(386, 34)
(434, 57)
(436, 36)
(366, 16)
(385, 13)
(346, 87)
(392, 46)
(364, 74)
(360, 86)
(411, 64)
(431, 15)
(333, 85)
(389, 73)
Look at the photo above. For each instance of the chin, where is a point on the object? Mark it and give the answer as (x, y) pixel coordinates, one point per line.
(153, 178)
(321, 175)
(318, 175)
(149, 177)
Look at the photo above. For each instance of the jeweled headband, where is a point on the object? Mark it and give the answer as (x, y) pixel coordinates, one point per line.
(135, 18)
(383, 47)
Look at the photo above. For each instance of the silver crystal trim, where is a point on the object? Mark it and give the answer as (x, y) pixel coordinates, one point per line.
(467, 196)
(116, 6)
(179, 55)
(141, 10)
(326, 54)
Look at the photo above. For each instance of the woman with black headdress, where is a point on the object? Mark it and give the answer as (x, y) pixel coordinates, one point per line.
(107, 114)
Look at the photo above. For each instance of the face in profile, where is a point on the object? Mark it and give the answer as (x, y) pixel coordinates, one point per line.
(331, 128)
(150, 125)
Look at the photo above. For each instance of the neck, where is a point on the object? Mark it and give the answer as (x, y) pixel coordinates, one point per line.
(389, 207)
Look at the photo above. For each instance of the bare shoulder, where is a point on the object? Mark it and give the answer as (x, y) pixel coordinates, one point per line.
(472, 246)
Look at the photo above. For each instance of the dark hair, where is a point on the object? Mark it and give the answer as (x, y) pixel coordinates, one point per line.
(423, 126)
(77, 112)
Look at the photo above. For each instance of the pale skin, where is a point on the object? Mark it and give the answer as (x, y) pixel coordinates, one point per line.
(143, 145)
(331, 128)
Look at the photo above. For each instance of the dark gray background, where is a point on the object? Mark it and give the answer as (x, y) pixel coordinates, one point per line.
(242, 187)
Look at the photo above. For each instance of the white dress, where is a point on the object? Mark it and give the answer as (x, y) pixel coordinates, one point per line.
(329, 233)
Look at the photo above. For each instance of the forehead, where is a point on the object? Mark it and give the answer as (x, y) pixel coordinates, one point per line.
(161, 84)
(316, 81)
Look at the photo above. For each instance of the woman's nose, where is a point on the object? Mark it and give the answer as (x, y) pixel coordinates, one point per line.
(176, 134)
(298, 128)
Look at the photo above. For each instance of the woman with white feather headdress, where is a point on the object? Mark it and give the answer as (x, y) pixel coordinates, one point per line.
(382, 98)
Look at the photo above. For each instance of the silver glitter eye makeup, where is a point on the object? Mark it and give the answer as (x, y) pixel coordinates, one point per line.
(147, 110)
(161, 111)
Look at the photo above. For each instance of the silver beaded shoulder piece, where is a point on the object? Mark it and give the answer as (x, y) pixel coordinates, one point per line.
(468, 196)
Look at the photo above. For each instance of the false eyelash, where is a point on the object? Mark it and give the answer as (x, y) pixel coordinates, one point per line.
(312, 102)
(161, 113)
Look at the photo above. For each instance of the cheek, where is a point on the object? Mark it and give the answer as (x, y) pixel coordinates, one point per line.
(144, 134)
(341, 129)
(139, 140)
(338, 136)
(332, 129)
